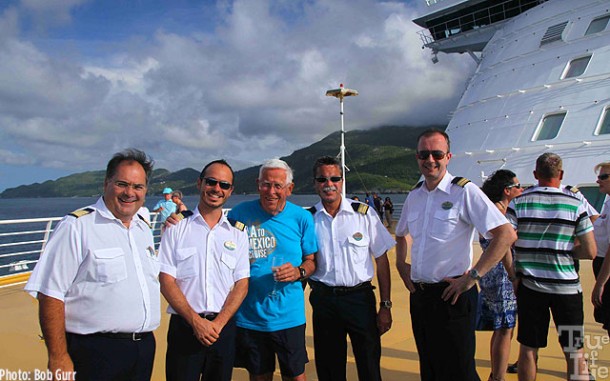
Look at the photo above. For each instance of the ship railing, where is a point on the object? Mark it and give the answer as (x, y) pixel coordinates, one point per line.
(23, 240)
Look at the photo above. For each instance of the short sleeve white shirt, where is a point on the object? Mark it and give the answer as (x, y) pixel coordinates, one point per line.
(347, 245)
(205, 262)
(105, 273)
(442, 223)
(601, 230)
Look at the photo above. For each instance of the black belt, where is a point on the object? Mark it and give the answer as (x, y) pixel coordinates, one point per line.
(133, 336)
(430, 286)
(209, 316)
(340, 290)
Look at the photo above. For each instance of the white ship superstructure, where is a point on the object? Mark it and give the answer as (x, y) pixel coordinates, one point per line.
(542, 85)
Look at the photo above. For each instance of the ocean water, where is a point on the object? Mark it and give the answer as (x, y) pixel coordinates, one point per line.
(26, 208)
(17, 208)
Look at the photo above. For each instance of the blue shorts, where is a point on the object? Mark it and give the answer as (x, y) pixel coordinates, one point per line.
(256, 351)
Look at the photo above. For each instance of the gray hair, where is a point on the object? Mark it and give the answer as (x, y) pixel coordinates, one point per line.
(276, 163)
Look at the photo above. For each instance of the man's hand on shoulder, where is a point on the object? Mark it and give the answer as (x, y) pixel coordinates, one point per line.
(173, 219)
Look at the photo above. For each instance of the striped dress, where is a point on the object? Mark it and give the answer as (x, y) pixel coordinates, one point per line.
(548, 220)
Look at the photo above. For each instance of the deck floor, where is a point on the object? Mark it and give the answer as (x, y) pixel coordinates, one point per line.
(23, 350)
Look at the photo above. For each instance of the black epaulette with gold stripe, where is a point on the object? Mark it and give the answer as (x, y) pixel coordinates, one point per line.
(360, 207)
(184, 214)
(81, 212)
(572, 189)
(312, 210)
(419, 184)
(237, 224)
(460, 181)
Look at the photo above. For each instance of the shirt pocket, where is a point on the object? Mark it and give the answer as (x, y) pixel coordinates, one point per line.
(185, 262)
(444, 223)
(228, 260)
(358, 249)
(110, 265)
(413, 224)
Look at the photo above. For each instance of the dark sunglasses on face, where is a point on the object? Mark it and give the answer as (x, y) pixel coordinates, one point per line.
(332, 179)
(436, 155)
(211, 182)
(518, 186)
(603, 177)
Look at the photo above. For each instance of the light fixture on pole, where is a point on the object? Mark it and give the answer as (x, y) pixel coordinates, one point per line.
(341, 93)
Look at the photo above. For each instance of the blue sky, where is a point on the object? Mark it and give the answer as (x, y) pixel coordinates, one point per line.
(193, 81)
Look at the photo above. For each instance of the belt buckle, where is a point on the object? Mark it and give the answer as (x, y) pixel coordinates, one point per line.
(421, 286)
(136, 336)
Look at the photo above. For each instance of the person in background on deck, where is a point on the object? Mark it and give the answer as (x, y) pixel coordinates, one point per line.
(601, 264)
(96, 282)
(204, 277)
(548, 223)
(441, 214)
(271, 320)
(177, 199)
(166, 206)
(350, 236)
(497, 310)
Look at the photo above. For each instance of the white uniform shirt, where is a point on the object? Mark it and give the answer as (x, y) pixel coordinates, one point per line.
(205, 262)
(601, 230)
(589, 208)
(105, 273)
(347, 243)
(442, 224)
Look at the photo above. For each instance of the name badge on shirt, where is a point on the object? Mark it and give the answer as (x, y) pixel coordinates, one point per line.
(447, 205)
(230, 245)
(358, 236)
(151, 252)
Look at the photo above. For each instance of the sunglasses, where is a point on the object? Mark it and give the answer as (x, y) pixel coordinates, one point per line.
(603, 177)
(332, 179)
(436, 155)
(518, 186)
(211, 182)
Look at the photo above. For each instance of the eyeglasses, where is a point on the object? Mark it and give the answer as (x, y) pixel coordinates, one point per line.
(436, 154)
(518, 186)
(123, 185)
(267, 185)
(211, 182)
(603, 176)
(332, 179)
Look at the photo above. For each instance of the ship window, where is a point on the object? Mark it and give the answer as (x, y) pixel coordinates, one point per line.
(549, 128)
(597, 25)
(553, 33)
(604, 126)
(577, 67)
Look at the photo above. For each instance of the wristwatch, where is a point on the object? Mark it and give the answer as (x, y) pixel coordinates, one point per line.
(385, 304)
(474, 274)
(302, 272)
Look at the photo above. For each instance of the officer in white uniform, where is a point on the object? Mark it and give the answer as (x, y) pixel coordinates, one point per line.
(441, 215)
(97, 282)
(350, 235)
(204, 277)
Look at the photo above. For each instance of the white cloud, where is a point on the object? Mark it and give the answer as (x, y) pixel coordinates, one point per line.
(248, 88)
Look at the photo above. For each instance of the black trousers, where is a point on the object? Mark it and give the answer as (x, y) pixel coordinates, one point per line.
(602, 315)
(187, 359)
(444, 334)
(102, 358)
(336, 315)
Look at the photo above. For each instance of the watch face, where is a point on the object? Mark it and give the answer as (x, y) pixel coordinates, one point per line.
(303, 272)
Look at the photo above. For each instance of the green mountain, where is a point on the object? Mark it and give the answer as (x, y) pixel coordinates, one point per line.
(380, 160)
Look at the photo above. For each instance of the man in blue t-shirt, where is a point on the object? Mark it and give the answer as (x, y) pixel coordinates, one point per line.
(166, 206)
(271, 320)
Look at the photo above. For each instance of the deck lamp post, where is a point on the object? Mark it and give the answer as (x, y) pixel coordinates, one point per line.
(341, 93)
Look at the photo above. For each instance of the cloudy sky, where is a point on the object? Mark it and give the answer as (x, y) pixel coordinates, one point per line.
(192, 81)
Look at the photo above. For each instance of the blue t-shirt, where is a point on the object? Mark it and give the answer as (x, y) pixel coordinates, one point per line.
(169, 207)
(290, 234)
